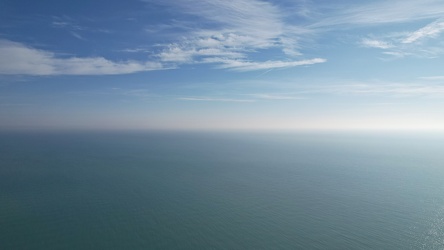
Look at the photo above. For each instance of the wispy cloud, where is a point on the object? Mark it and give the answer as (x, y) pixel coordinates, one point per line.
(69, 25)
(387, 89)
(433, 78)
(144, 93)
(373, 43)
(382, 12)
(318, 88)
(232, 32)
(212, 99)
(381, 92)
(240, 65)
(226, 34)
(77, 35)
(73, 27)
(273, 96)
(18, 59)
(235, 31)
(135, 50)
(420, 43)
(399, 43)
(243, 15)
(431, 30)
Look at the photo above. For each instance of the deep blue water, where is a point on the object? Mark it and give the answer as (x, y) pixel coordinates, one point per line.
(176, 190)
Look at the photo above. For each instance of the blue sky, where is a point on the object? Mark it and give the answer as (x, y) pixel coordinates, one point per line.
(244, 64)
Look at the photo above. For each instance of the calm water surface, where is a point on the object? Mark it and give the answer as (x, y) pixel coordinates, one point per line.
(221, 191)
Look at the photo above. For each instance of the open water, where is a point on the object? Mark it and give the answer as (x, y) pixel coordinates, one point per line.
(177, 190)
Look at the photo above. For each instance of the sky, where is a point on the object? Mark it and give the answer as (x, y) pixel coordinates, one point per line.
(221, 64)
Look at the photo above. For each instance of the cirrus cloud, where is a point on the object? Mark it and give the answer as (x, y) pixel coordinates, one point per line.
(18, 59)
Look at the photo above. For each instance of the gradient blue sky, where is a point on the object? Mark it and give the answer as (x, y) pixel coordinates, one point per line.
(220, 64)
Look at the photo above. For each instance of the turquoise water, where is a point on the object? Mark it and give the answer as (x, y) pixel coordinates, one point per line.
(221, 191)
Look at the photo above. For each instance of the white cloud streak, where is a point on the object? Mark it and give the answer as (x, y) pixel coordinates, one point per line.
(232, 32)
(419, 90)
(433, 78)
(242, 15)
(383, 12)
(229, 33)
(388, 89)
(212, 99)
(417, 43)
(336, 16)
(430, 86)
(240, 65)
(431, 30)
(18, 59)
(266, 96)
(372, 43)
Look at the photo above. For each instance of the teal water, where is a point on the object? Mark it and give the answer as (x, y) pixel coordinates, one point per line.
(221, 191)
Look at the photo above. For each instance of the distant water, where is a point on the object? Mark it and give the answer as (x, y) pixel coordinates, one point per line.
(221, 191)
